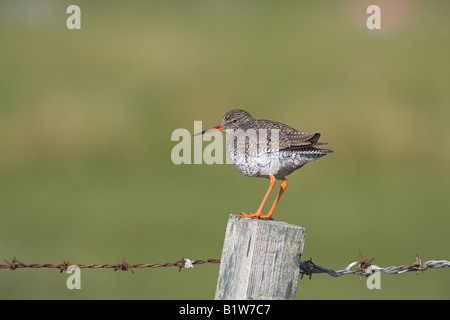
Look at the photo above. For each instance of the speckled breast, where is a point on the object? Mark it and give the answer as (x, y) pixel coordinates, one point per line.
(255, 160)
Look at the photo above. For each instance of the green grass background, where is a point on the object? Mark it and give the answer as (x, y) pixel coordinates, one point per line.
(86, 119)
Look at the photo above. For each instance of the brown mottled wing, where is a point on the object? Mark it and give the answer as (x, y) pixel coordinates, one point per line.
(289, 138)
(299, 140)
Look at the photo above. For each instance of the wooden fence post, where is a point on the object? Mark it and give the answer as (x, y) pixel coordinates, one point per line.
(260, 260)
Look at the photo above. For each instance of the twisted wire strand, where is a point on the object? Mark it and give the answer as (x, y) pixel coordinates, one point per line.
(366, 268)
(123, 266)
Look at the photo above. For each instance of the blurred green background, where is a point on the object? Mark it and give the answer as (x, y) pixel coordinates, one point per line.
(86, 118)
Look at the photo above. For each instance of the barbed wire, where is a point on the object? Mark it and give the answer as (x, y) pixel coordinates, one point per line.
(123, 266)
(366, 268)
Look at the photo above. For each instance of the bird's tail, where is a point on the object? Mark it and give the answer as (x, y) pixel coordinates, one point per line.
(315, 142)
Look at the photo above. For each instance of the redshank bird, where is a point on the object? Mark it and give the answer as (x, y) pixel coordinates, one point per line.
(267, 149)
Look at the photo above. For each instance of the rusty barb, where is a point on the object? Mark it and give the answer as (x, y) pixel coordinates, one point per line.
(364, 267)
(123, 266)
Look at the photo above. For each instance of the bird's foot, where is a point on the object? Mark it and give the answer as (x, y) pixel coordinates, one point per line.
(252, 215)
(258, 215)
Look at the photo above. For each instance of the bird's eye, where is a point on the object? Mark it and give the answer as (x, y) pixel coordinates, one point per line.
(234, 121)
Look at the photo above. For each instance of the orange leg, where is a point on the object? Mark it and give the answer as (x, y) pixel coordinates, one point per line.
(283, 187)
(258, 213)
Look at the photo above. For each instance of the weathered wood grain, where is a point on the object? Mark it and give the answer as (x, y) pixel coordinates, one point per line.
(259, 260)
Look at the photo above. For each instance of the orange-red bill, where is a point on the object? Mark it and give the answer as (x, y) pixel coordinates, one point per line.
(217, 128)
